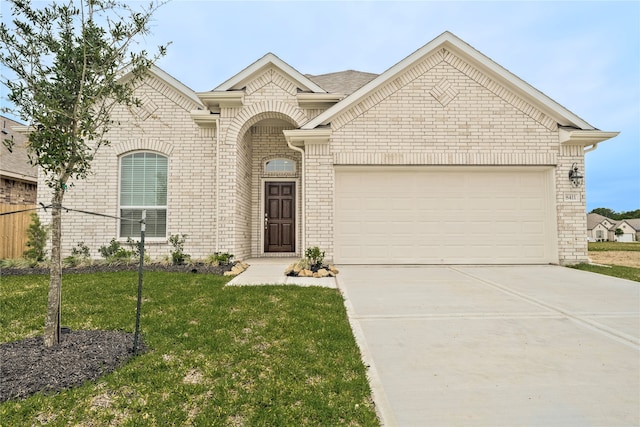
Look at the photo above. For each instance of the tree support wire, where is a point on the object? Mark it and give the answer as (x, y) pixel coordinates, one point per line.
(140, 269)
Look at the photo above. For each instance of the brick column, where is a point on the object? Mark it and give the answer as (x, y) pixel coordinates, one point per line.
(319, 192)
(571, 206)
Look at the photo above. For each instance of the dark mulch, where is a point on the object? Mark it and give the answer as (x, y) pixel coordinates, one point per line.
(105, 268)
(27, 367)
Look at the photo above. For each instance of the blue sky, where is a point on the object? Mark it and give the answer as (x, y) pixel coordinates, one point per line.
(584, 55)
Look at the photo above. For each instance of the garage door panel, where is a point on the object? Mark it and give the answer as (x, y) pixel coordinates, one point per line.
(451, 215)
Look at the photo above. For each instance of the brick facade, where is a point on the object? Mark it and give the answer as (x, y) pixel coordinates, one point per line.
(17, 192)
(442, 110)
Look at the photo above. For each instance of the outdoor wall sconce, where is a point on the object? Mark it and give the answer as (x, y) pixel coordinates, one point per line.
(574, 176)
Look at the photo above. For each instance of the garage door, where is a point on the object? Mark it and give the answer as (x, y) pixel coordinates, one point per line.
(445, 215)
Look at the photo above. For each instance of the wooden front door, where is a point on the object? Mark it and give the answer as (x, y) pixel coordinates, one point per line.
(280, 217)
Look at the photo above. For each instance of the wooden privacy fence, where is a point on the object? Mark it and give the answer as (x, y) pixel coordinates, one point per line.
(13, 230)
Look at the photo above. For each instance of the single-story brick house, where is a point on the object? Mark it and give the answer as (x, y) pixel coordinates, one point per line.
(600, 228)
(445, 158)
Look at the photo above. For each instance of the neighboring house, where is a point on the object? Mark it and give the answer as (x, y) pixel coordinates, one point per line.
(629, 228)
(445, 158)
(598, 227)
(18, 190)
(18, 179)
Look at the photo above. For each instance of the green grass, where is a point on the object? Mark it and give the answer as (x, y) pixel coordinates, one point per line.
(623, 272)
(614, 246)
(219, 356)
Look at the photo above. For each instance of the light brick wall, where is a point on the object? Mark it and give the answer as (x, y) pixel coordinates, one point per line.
(444, 111)
(162, 125)
(319, 191)
(268, 143)
(571, 207)
(251, 134)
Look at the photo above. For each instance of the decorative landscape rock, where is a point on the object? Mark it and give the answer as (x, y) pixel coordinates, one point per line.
(302, 269)
(237, 269)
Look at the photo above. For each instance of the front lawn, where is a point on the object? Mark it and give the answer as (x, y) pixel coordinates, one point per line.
(227, 356)
(614, 246)
(621, 271)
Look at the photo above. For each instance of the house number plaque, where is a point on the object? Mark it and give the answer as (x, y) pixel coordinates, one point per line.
(572, 197)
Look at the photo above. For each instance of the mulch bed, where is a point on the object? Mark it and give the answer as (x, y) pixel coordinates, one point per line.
(105, 268)
(28, 367)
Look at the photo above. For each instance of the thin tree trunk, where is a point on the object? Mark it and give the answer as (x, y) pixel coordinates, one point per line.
(52, 321)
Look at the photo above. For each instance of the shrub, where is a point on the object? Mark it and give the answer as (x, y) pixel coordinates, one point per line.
(220, 258)
(314, 256)
(37, 235)
(114, 252)
(79, 254)
(178, 257)
(81, 251)
(16, 263)
(135, 247)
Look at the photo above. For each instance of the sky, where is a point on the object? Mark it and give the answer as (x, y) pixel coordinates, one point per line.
(585, 55)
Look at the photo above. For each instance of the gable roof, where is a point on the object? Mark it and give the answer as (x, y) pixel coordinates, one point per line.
(15, 164)
(593, 219)
(178, 86)
(633, 223)
(449, 41)
(239, 80)
(344, 82)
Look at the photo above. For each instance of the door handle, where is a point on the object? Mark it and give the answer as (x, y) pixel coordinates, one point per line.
(266, 220)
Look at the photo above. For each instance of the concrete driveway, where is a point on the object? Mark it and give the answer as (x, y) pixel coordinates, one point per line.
(497, 345)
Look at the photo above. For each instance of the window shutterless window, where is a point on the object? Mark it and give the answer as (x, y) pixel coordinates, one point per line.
(280, 165)
(143, 185)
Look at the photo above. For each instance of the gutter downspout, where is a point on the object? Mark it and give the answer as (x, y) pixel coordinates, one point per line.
(302, 195)
(593, 147)
(217, 184)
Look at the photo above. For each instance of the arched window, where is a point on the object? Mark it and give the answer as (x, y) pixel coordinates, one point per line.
(280, 165)
(143, 185)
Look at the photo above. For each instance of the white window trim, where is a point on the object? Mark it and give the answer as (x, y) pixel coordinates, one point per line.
(150, 240)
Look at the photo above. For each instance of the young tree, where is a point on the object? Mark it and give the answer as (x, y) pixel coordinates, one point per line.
(67, 61)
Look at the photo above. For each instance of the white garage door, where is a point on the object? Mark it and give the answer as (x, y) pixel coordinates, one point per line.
(445, 215)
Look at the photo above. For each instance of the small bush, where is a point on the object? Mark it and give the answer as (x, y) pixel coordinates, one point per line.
(220, 258)
(178, 257)
(135, 247)
(37, 235)
(80, 254)
(115, 252)
(81, 250)
(314, 256)
(17, 263)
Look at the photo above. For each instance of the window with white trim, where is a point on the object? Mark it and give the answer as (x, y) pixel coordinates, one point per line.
(280, 165)
(143, 185)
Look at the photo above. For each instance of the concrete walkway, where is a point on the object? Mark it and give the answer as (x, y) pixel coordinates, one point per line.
(497, 346)
(270, 271)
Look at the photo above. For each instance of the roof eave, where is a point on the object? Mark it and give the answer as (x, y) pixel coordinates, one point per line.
(584, 138)
(167, 78)
(269, 59)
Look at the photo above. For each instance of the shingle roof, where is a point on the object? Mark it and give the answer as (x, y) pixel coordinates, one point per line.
(634, 222)
(345, 82)
(594, 219)
(16, 163)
